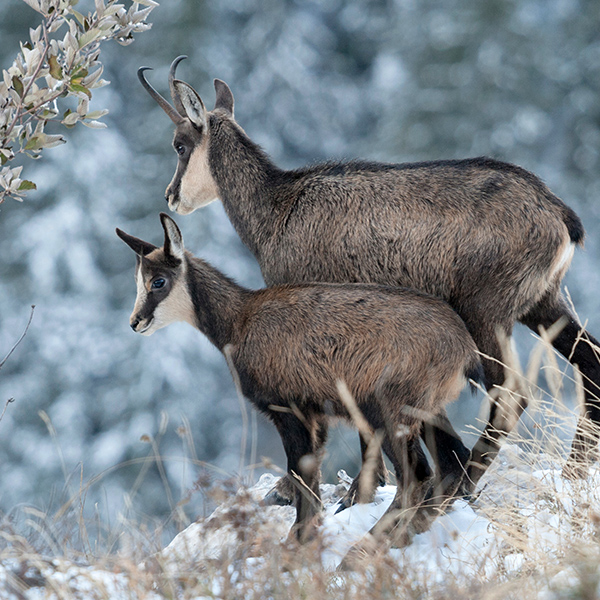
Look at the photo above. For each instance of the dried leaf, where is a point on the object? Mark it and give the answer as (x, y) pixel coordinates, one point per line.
(90, 36)
(27, 185)
(34, 4)
(33, 143)
(96, 114)
(99, 7)
(78, 16)
(94, 124)
(70, 119)
(76, 87)
(55, 69)
(18, 85)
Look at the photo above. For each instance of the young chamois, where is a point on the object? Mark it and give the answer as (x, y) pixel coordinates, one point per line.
(487, 237)
(402, 355)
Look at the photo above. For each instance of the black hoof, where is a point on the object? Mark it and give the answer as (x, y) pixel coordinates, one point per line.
(343, 505)
(274, 498)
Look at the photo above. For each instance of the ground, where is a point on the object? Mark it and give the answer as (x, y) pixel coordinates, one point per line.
(528, 534)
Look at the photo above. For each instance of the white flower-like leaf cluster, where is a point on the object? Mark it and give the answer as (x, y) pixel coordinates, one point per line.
(60, 60)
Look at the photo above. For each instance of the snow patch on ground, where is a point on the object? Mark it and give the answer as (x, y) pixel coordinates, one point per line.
(525, 515)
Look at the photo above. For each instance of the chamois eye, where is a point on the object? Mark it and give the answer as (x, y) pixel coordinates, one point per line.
(158, 283)
(180, 149)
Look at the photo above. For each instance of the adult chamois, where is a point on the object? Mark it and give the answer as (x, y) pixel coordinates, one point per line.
(401, 353)
(486, 236)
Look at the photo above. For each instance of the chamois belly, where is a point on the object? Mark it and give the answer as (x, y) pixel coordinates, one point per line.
(390, 342)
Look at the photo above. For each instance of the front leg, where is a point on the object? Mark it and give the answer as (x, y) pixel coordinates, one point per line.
(302, 449)
(283, 492)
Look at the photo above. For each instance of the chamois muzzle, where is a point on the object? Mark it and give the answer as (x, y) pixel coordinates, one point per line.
(140, 325)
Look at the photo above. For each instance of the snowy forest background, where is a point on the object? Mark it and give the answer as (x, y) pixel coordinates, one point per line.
(395, 81)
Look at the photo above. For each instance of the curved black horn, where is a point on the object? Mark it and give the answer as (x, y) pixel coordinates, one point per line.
(174, 95)
(173, 114)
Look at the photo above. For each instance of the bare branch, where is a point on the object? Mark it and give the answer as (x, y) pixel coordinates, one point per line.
(19, 340)
(9, 401)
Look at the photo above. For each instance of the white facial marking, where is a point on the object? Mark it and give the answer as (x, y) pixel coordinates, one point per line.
(176, 306)
(198, 188)
(141, 296)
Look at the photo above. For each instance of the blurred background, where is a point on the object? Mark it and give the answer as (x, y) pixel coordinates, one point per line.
(386, 80)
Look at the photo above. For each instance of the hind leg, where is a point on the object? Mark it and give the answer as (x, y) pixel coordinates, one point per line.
(506, 407)
(448, 453)
(394, 416)
(581, 349)
(405, 516)
(449, 457)
(373, 473)
(401, 521)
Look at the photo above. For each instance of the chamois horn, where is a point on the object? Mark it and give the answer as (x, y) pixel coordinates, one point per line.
(174, 94)
(173, 114)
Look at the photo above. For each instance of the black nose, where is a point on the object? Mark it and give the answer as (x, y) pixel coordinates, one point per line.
(134, 324)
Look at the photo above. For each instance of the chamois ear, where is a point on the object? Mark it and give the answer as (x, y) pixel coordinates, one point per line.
(173, 239)
(140, 247)
(191, 102)
(224, 96)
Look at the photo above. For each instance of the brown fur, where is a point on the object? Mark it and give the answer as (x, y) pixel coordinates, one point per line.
(402, 354)
(488, 237)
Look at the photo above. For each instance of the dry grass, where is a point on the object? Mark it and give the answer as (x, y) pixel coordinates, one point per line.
(540, 538)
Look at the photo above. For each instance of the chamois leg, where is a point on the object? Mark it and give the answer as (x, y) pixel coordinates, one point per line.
(506, 407)
(300, 441)
(404, 518)
(402, 446)
(581, 349)
(373, 473)
(283, 492)
(449, 457)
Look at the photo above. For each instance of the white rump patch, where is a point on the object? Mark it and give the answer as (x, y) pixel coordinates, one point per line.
(563, 260)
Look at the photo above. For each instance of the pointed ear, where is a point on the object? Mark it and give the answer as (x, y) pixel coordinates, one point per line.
(173, 239)
(224, 96)
(140, 247)
(192, 103)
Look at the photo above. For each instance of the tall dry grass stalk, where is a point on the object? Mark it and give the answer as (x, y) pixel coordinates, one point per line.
(541, 536)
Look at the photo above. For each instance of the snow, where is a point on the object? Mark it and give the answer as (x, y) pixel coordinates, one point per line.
(524, 513)
(64, 580)
(469, 540)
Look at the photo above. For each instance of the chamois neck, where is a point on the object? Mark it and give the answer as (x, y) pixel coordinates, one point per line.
(247, 181)
(217, 301)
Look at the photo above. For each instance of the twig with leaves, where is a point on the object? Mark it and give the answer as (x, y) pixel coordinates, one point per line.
(50, 68)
